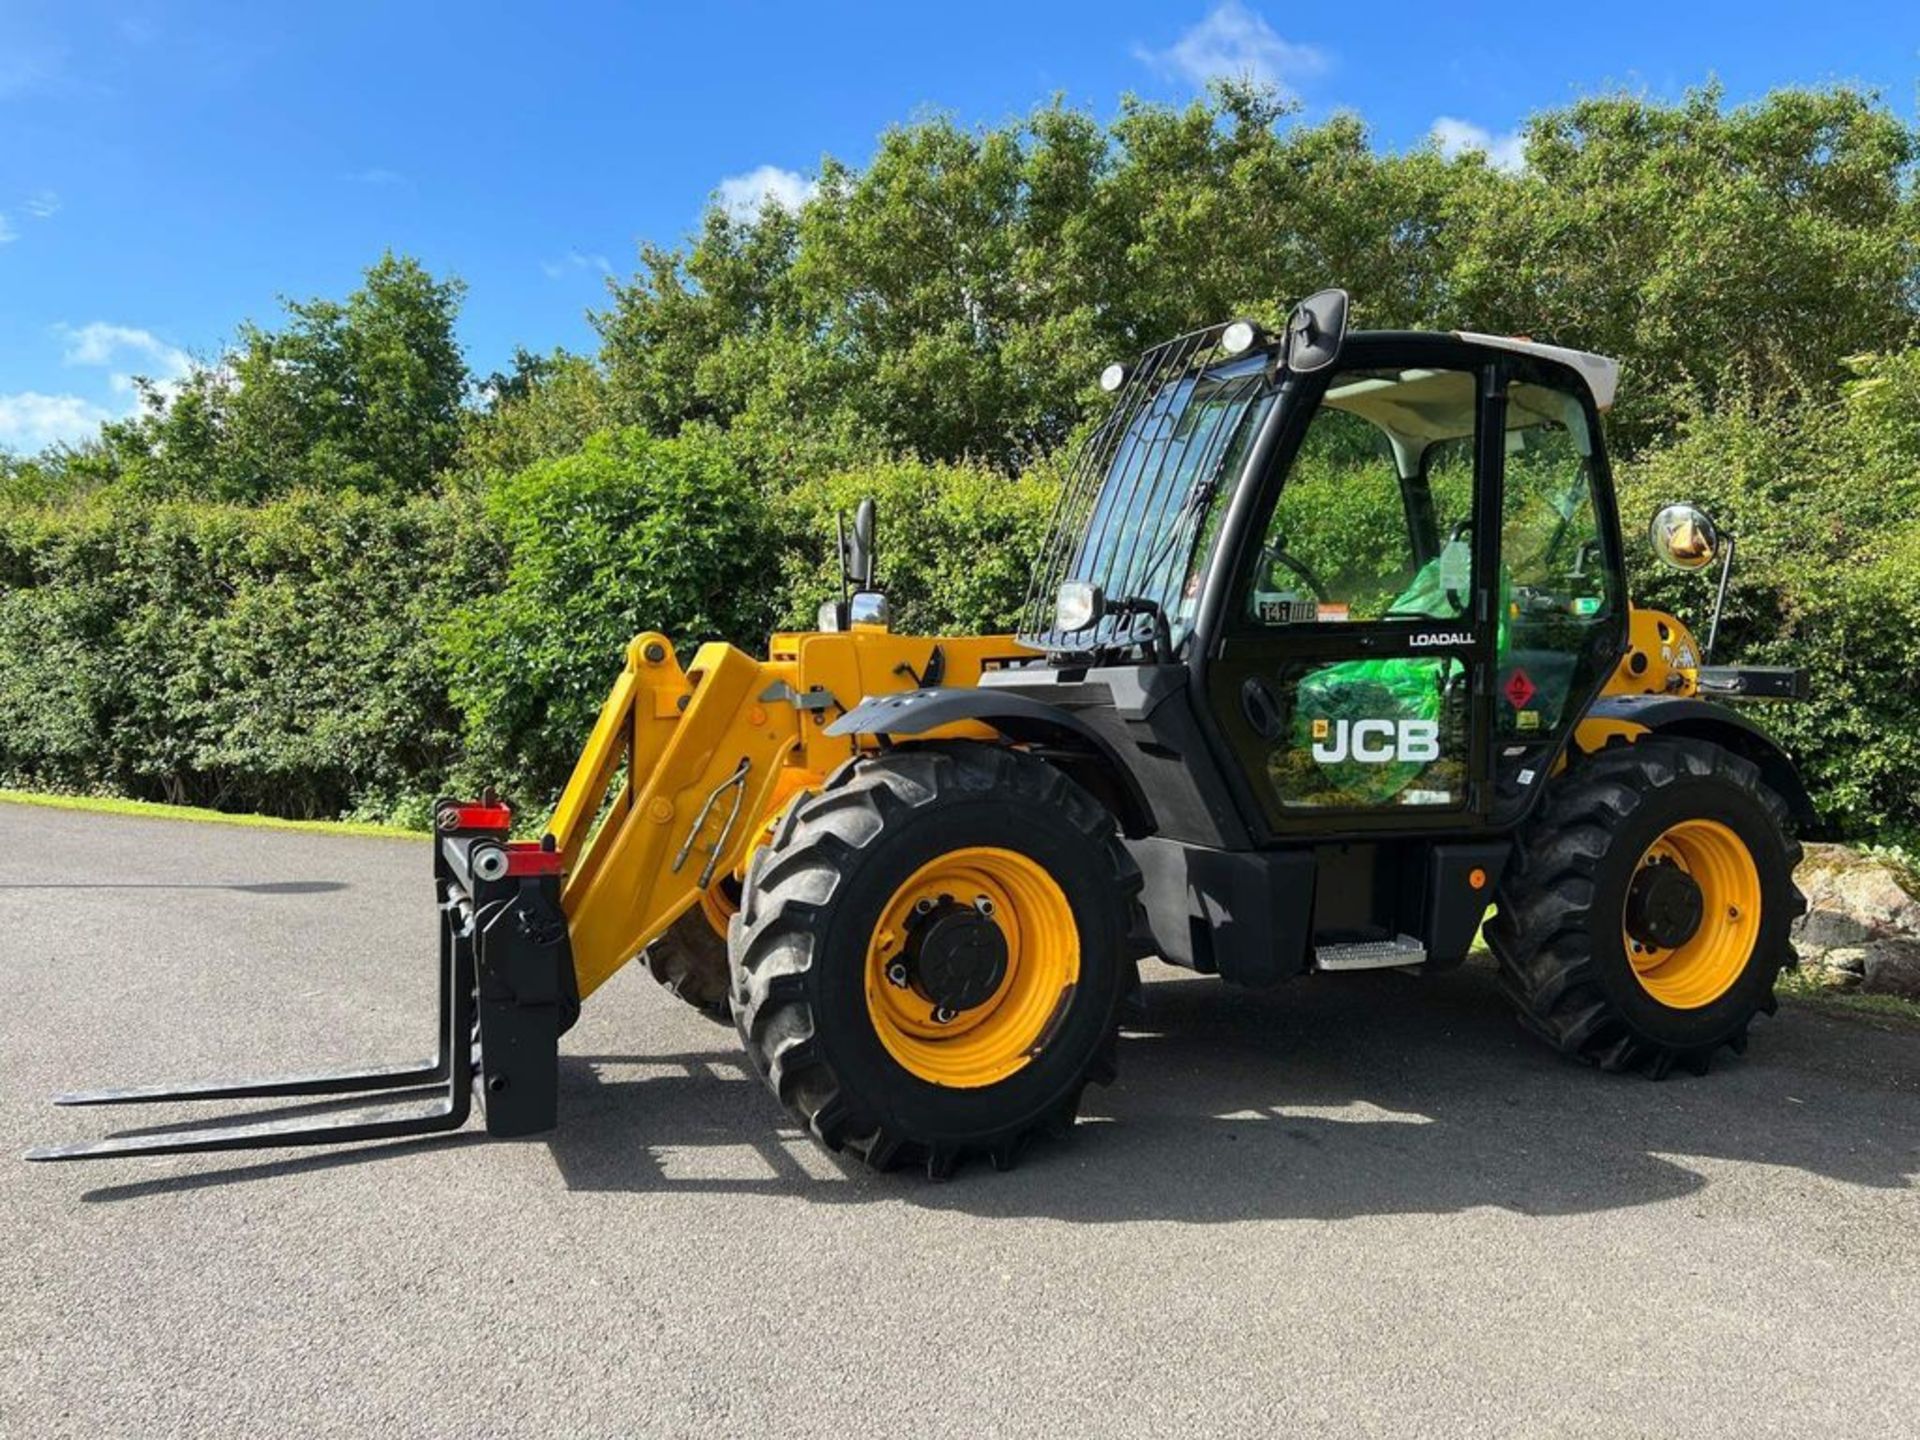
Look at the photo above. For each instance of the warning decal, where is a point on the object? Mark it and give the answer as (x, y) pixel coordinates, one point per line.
(1519, 689)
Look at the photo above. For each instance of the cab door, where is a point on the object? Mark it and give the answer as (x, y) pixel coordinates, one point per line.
(1350, 670)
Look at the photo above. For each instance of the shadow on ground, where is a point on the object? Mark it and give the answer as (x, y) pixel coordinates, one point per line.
(1329, 1098)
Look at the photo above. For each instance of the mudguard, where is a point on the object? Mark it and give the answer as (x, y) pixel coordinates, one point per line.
(1020, 718)
(914, 712)
(1705, 720)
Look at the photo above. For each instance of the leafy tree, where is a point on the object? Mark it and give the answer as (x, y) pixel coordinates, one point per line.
(546, 407)
(362, 395)
(1724, 254)
(955, 297)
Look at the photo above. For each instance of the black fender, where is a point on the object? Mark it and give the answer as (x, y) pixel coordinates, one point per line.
(1704, 720)
(1022, 720)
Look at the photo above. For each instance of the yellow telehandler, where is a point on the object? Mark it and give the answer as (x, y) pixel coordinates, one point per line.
(1328, 652)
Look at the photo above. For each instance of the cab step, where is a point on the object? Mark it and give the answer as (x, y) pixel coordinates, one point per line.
(1394, 954)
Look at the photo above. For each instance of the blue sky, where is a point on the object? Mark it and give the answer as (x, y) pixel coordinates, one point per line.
(168, 170)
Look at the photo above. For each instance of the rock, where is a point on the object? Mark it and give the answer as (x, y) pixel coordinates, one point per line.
(1892, 967)
(1861, 922)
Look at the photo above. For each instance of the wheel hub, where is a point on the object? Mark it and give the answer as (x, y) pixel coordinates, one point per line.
(1664, 906)
(955, 956)
(970, 964)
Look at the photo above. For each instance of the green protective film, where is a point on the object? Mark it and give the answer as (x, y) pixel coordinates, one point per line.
(1394, 690)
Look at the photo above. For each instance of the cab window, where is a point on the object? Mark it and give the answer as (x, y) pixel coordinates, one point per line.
(1373, 519)
(1558, 590)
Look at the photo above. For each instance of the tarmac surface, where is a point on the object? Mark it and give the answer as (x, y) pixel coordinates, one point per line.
(1359, 1205)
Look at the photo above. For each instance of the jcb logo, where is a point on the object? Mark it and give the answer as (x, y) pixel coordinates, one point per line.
(1375, 742)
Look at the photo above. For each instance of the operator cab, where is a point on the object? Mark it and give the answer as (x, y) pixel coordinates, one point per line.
(1394, 578)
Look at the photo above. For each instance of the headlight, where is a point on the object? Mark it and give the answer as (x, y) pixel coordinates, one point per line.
(1076, 607)
(1239, 337)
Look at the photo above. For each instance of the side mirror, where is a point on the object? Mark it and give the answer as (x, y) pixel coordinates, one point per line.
(1684, 537)
(1315, 331)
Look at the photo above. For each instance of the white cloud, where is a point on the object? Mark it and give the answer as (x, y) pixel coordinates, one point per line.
(7, 233)
(573, 263)
(139, 352)
(1458, 137)
(30, 421)
(42, 205)
(1235, 43)
(99, 343)
(744, 196)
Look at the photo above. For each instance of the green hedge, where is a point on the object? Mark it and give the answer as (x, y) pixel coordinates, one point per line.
(632, 533)
(280, 659)
(345, 655)
(1825, 503)
(956, 542)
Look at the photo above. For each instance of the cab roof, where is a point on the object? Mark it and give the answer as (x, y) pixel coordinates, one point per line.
(1601, 373)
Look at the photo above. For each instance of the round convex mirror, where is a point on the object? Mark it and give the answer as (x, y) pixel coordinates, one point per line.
(1684, 536)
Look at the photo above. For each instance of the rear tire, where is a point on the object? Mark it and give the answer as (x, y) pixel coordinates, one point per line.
(814, 916)
(1558, 935)
(690, 959)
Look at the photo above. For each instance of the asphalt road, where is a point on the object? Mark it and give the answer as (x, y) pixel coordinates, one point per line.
(1362, 1205)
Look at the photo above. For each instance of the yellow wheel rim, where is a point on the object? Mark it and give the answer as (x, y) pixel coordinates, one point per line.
(718, 907)
(1704, 967)
(989, 1041)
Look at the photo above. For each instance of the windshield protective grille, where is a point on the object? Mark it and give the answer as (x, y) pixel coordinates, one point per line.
(1140, 489)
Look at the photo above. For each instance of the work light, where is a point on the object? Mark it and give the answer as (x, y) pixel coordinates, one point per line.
(1077, 606)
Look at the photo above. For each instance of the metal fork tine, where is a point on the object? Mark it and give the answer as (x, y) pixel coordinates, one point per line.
(327, 1082)
(446, 1112)
(383, 1115)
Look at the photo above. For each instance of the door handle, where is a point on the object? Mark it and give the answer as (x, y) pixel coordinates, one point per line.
(1257, 703)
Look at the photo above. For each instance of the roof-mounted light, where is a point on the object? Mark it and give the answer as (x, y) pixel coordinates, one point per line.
(1239, 337)
(1113, 377)
(1077, 606)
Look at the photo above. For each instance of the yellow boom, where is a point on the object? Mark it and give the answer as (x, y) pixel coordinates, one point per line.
(687, 769)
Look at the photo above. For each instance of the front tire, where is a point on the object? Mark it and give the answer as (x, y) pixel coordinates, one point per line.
(932, 953)
(1645, 917)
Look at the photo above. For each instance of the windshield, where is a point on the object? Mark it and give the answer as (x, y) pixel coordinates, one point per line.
(1135, 506)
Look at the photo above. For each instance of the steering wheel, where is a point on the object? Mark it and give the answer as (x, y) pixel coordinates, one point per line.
(1272, 555)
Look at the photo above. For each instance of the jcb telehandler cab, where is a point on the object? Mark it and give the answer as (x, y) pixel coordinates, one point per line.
(1328, 653)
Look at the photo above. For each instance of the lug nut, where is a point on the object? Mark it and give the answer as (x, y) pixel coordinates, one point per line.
(984, 904)
(922, 906)
(897, 975)
(942, 1015)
